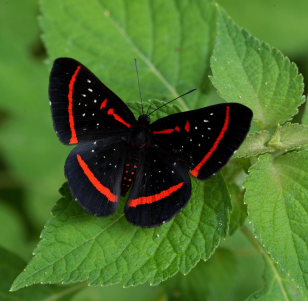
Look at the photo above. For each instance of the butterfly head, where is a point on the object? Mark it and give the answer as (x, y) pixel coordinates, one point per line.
(144, 119)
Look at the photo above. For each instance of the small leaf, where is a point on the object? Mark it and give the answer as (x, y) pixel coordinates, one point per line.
(290, 136)
(277, 286)
(250, 72)
(11, 265)
(255, 144)
(76, 246)
(210, 280)
(276, 194)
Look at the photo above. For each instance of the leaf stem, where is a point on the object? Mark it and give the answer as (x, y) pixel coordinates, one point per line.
(246, 231)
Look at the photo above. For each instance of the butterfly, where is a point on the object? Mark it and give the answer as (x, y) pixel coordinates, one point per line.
(116, 153)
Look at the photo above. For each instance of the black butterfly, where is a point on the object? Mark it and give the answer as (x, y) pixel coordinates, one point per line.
(115, 152)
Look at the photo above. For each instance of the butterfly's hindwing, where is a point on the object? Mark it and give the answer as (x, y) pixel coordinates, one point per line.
(204, 139)
(161, 189)
(94, 172)
(83, 108)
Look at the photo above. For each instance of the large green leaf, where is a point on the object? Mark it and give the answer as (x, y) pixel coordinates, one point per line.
(78, 247)
(250, 72)
(172, 41)
(276, 194)
(11, 265)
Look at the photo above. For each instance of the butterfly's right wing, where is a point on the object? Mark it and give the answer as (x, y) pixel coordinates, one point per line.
(83, 108)
(205, 139)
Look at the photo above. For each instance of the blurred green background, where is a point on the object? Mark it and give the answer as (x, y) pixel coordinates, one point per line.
(32, 158)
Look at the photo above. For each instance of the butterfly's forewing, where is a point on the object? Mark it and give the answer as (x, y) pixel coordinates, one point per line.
(94, 172)
(204, 139)
(83, 108)
(161, 189)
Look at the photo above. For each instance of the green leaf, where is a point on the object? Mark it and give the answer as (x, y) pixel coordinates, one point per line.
(287, 137)
(208, 281)
(250, 72)
(239, 209)
(276, 194)
(11, 265)
(78, 247)
(290, 136)
(255, 144)
(277, 286)
(163, 35)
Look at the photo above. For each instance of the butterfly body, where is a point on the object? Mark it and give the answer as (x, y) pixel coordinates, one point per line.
(118, 154)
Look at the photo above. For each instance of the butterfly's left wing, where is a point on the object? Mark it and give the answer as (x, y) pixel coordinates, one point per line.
(94, 172)
(83, 108)
(204, 139)
(161, 189)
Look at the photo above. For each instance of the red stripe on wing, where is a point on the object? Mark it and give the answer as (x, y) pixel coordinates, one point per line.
(187, 126)
(118, 117)
(104, 104)
(71, 86)
(155, 197)
(167, 131)
(222, 133)
(96, 183)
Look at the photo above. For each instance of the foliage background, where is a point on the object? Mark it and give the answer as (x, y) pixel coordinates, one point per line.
(31, 157)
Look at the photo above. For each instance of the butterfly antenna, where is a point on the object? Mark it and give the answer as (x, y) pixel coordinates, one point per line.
(192, 90)
(138, 79)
